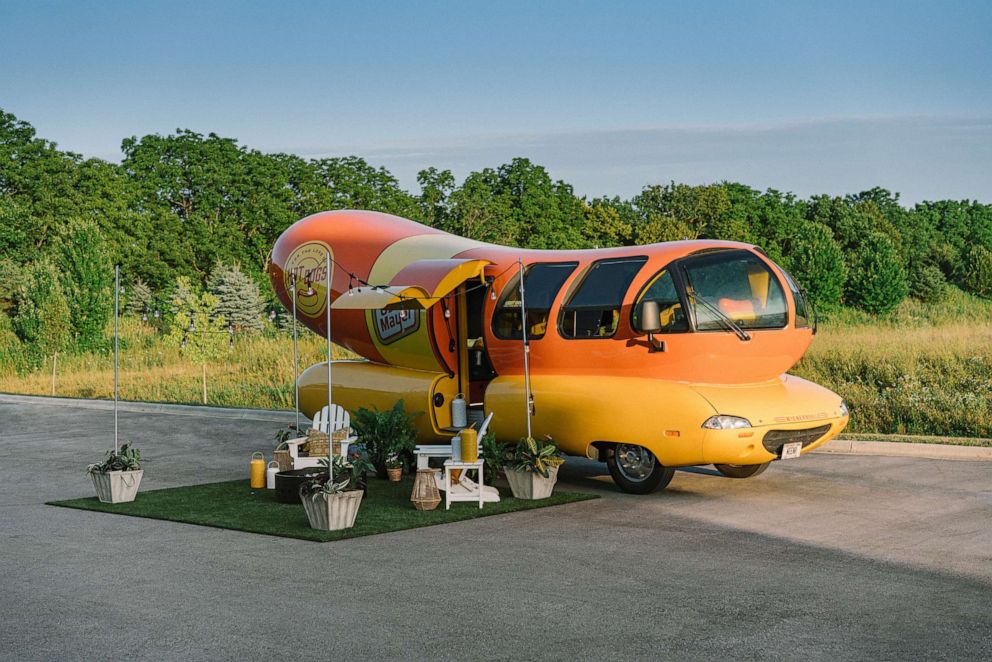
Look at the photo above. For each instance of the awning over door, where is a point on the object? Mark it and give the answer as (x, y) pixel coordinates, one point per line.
(419, 285)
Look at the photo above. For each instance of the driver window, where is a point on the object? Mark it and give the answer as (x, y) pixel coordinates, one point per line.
(662, 290)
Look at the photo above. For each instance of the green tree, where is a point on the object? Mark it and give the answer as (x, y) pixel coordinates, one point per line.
(877, 281)
(11, 353)
(198, 329)
(238, 299)
(977, 274)
(928, 284)
(140, 298)
(43, 320)
(87, 279)
(817, 263)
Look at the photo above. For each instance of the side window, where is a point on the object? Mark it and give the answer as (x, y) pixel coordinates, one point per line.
(802, 309)
(541, 284)
(593, 310)
(662, 290)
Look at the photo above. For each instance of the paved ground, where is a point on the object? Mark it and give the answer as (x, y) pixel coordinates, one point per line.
(827, 557)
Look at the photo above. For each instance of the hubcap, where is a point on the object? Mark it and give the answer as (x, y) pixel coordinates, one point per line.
(635, 462)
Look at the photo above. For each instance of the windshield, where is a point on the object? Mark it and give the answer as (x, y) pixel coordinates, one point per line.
(737, 284)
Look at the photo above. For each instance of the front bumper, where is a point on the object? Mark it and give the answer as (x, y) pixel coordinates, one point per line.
(762, 444)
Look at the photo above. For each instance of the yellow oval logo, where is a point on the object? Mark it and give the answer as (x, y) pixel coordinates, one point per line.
(308, 263)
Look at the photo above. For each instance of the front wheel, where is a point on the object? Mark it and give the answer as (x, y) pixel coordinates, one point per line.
(635, 469)
(741, 470)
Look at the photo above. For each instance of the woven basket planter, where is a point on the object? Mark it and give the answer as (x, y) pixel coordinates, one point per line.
(530, 485)
(117, 486)
(332, 512)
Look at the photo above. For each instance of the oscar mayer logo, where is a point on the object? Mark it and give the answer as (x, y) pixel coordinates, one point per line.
(308, 262)
(391, 325)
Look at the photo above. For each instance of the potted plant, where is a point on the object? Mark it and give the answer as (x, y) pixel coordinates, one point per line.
(384, 434)
(394, 468)
(332, 500)
(495, 455)
(116, 479)
(532, 470)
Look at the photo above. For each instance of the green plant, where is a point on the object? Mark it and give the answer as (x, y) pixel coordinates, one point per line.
(348, 475)
(128, 458)
(383, 434)
(394, 462)
(928, 284)
(535, 456)
(495, 455)
(288, 432)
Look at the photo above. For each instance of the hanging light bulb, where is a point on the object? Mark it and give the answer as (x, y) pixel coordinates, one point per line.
(157, 314)
(144, 316)
(447, 313)
(492, 293)
(402, 314)
(182, 345)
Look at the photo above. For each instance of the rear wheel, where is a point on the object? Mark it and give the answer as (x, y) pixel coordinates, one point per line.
(741, 470)
(636, 470)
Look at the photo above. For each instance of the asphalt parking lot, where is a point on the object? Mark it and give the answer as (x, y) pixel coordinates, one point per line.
(825, 557)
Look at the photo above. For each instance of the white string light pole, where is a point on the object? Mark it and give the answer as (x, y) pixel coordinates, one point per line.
(327, 302)
(117, 298)
(523, 327)
(296, 359)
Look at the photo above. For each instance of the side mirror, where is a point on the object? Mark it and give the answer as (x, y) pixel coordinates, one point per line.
(649, 317)
(649, 322)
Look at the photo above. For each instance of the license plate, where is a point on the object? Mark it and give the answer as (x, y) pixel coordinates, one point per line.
(791, 451)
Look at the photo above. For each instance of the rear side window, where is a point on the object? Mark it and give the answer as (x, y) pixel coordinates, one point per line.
(593, 311)
(541, 284)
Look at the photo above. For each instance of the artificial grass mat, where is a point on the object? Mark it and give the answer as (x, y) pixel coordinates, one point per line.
(233, 505)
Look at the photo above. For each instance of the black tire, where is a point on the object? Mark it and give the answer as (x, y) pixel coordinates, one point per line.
(653, 476)
(741, 470)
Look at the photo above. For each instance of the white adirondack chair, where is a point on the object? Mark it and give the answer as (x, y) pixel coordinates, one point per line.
(426, 451)
(328, 421)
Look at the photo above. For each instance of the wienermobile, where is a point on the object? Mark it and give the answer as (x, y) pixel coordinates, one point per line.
(645, 357)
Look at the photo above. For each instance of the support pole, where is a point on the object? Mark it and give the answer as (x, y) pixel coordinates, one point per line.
(327, 302)
(523, 328)
(117, 297)
(296, 360)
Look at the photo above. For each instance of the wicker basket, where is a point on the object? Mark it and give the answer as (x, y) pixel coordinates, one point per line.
(281, 455)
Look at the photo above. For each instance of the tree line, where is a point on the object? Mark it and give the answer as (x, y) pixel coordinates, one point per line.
(183, 212)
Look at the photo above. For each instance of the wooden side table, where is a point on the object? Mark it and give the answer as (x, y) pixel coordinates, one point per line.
(463, 493)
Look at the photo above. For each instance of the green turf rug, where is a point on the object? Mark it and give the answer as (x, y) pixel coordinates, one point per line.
(232, 505)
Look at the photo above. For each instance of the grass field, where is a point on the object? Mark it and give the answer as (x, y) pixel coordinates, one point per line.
(923, 370)
(232, 505)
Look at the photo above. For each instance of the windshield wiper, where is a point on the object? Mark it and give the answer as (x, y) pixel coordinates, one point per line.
(723, 317)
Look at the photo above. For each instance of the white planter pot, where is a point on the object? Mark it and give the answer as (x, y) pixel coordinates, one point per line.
(117, 486)
(332, 512)
(529, 485)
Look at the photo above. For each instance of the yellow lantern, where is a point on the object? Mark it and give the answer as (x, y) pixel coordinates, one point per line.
(257, 470)
(470, 445)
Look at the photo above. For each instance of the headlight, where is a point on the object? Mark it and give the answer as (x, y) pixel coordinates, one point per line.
(726, 423)
(843, 408)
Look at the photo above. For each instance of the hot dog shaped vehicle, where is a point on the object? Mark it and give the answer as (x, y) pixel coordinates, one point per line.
(646, 357)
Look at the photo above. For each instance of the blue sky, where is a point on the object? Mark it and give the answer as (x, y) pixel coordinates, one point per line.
(810, 97)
